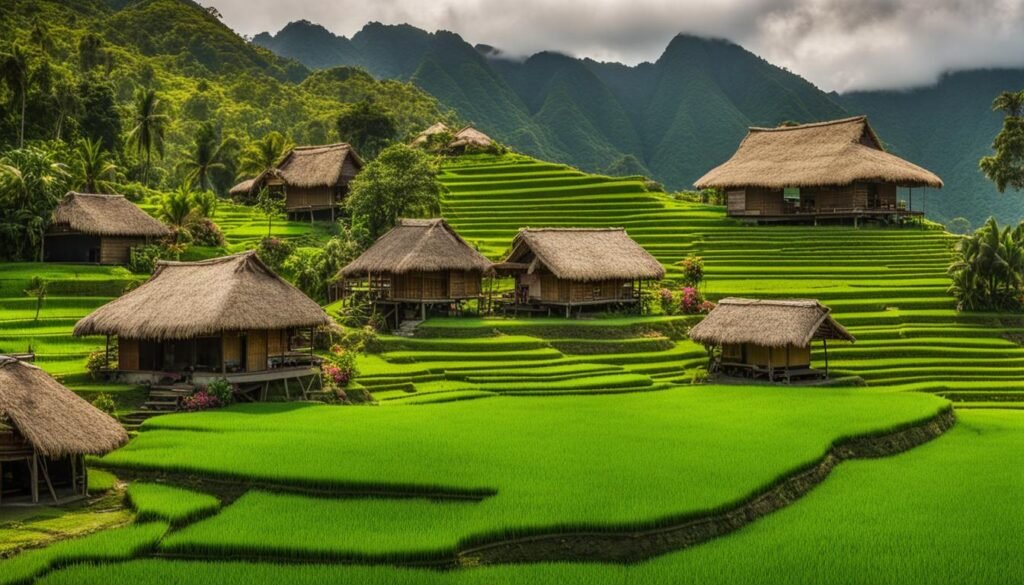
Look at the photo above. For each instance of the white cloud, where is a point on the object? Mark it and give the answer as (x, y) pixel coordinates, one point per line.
(837, 44)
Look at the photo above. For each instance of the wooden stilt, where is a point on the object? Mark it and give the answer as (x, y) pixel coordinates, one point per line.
(49, 484)
(74, 475)
(35, 477)
(223, 362)
(824, 343)
(287, 394)
(85, 475)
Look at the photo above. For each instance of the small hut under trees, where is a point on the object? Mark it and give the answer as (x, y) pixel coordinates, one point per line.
(246, 190)
(418, 265)
(836, 170)
(99, 229)
(765, 338)
(228, 317)
(573, 268)
(314, 179)
(424, 137)
(46, 431)
(469, 138)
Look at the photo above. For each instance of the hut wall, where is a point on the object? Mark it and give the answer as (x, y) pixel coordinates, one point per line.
(553, 289)
(348, 170)
(71, 247)
(736, 202)
(256, 351)
(604, 290)
(277, 342)
(464, 284)
(420, 285)
(232, 349)
(776, 357)
(301, 199)
(764, 202)
(117, 250)
(127, 354)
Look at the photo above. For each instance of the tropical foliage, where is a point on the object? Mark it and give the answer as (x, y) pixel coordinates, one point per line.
(988, 268)
(1005, 168)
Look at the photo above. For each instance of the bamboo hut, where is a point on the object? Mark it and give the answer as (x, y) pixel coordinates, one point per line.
(567, 268)
(98, 229)
(46, 431)
(228, 317)
(767, 338)
(424, 137)
(418, 265)
(828, 170)
(469, 138)
(314, 179)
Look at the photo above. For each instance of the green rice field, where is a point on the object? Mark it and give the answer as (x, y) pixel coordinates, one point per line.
(487, 429)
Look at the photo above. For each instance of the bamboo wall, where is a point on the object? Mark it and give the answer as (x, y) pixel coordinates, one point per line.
(127, 354)
(439, 285)
(117, 250)
(759, 355)
(755, 201)
(555, 290)
(256, 351)
(301, 199)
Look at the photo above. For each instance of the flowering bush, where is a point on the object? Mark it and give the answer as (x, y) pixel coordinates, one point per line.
(689, 302)
(200, 400)
(222, 390)
(338, 369)
(693, 270)
(206, 233)
(97, 361)
(667, 300)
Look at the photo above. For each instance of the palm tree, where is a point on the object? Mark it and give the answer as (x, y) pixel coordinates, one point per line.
(14, 69)
(150, 125)
(205, 160)
(1010, 103)
(93, 167)
(178, 210)
(31, 184)
(263, 154)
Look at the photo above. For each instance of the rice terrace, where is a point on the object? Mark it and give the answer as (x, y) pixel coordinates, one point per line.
(395, 308)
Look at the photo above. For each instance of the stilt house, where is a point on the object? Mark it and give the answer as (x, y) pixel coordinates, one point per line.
(835, 170)
(228, 317)
(567, 268)
(763, 338)
(418, 265)
(46, 431)
(98, 229)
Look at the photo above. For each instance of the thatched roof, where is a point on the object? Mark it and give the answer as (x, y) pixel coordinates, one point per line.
(585, 254)
(425, 245)
(243, 188)
(106, 215)
(470, 136)
(768, 323)
(54, 419)
(834, 153)
(316, 166)
(183, 300)
(422, 137)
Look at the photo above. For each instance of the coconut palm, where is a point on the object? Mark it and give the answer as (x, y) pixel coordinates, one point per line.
(1010, 103)
(988, 269)
(205, 160)
(178, 210)
(31, 184)
(263, 154)
(14, 69)
(147, 135)
(93, 167)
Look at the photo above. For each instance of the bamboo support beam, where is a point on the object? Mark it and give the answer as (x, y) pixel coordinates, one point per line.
(34, 476)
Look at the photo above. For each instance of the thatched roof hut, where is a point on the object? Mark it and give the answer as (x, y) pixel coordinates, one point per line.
(584, 254)
(105, 215)
(184, 300)
(835, 153)
(245, 188)
(470, 137)
(424, 136)
(54, 420)
(768, 323)
(308, 167)
(418, 245)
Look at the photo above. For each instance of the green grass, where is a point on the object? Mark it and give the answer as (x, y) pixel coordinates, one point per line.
(937, 513)
(699, 449)
(174, 505)
(113, 545)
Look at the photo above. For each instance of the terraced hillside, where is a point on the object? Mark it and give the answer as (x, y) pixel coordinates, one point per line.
(887, 284)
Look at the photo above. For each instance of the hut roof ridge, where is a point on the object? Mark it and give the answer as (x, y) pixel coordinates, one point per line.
(102, 214)
(425, 245)
(586, 254)
(768, 323)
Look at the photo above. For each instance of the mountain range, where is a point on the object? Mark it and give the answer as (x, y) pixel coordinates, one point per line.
(677, 117)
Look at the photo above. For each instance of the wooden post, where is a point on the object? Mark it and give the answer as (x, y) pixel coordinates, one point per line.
(85, 475)
(1, 482)
(74, 475)
(106, 362)
(824, 343)
(35, 476)
(423, 311)
(223, 362)
(49, 484)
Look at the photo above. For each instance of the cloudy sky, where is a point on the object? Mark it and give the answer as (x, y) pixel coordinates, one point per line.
(837, 44)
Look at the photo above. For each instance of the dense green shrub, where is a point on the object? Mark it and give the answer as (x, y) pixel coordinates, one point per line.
(105, 403)
(988, 269)
(274, 251)
(143, 259)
